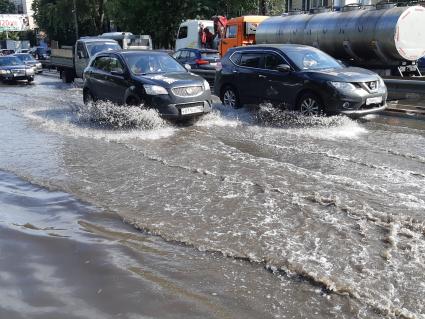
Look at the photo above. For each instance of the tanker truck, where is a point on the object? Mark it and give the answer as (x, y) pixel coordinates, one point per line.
(384, 38)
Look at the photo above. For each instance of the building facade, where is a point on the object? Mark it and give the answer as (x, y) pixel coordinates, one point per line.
(24, 7)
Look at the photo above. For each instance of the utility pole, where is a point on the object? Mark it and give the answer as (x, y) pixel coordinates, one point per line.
(75, 19)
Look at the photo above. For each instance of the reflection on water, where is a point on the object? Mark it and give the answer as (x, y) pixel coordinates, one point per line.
(333, 201)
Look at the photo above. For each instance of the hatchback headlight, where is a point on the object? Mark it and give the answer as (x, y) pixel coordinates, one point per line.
(155, 90)
(343, 86)
(206, 85)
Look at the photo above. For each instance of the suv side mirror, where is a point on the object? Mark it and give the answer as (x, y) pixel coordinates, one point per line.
(283, 68)
(117, 72)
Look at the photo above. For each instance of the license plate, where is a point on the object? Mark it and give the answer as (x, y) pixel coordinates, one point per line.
(192, 110)
(374, 100)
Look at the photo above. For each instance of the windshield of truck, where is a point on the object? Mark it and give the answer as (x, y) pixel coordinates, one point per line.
(96, 47)
(25, 57)
(141, 64)
(311, 59)
(136, 41)
(10, 60)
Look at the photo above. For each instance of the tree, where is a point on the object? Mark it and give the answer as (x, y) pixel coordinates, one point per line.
(55, 17)
(7, 7)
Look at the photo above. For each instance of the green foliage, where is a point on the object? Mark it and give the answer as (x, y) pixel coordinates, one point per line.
(56, 18)
(158, 18)
(7, 6)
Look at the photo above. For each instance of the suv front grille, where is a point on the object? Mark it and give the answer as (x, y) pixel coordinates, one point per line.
(188, 91)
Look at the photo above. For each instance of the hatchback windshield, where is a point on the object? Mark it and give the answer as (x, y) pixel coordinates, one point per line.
(152, 63)
(97, 47)
(311, 59)
(10, 60)
(25, 57)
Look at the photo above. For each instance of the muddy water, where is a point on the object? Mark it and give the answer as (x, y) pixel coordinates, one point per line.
(323, 217)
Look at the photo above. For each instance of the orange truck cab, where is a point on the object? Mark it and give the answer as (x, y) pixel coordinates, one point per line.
(240, 31)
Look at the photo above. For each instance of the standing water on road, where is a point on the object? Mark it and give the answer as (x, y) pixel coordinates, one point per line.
(284, 217)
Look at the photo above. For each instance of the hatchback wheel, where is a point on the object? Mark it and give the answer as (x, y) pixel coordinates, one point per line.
(230, 97)
(310, 105)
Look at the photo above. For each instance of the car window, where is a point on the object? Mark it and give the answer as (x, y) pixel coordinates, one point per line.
(231, 31)
(96, 47)
(311, 59)
(192, 55)
(184, 54)
(101, 63)
(271, 61)
(115, 65)
(10, 60)
(182, 33)
(252, 60)
(236, 58)
(141, 64)
(177, 55)
(210, 55)
(81, 50)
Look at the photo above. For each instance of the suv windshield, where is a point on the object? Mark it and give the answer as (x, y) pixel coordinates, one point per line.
(97, 47)
(311, 59)
(140, 64)
(10, 60)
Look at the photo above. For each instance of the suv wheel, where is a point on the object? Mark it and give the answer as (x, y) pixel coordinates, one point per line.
(87, 97)
(310, 105)
(230, 97)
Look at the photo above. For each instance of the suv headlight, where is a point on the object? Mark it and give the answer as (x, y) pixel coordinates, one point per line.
(155, 90)
(343, 86)
(4, 71)
(206, 85)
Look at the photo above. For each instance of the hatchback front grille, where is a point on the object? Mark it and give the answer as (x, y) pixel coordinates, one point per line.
(188, 91)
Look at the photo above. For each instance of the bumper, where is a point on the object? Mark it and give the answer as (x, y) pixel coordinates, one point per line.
(9, 77)
(175, 110)
(363, 112)
(355, 105)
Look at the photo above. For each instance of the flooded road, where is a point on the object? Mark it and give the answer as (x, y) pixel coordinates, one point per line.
(246, 214)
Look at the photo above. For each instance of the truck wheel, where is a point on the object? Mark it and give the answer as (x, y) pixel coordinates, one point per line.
(310, 104)
(230, 97)
(67, 76)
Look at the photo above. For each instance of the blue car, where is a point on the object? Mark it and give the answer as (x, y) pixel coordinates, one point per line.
(205, 59)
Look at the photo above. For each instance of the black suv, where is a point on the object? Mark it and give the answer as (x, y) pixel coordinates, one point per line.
(300, 78)
(147, 78)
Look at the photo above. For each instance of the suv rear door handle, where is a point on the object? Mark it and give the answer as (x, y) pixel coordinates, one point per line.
(262, 76)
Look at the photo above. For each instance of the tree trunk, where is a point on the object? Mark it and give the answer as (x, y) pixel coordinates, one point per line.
(263, 9)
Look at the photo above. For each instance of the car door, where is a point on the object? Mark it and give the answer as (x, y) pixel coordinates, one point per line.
(96, 77)
(248, 76)
(117, 82)
(230, 39)
(81, 59)
(276, 86)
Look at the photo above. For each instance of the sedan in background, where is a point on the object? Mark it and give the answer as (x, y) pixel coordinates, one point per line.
(13, 69)
(30, 61)
(205, 59)
(299, 78)
(147, 79)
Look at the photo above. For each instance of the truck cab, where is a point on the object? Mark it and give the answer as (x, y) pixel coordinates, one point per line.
(240, 31)
(188, 34)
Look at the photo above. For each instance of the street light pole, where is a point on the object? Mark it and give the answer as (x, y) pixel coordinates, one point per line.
(75, 19)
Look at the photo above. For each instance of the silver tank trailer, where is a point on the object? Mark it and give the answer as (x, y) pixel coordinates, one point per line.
(367, 36)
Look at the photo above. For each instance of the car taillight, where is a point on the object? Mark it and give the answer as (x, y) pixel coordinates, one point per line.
(218, 66)
(201, 62)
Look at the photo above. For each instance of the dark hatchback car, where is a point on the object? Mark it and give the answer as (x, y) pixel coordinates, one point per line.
(300, 78)
(205, 59)
(30, 61)
(149, 78)
(13, 69)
